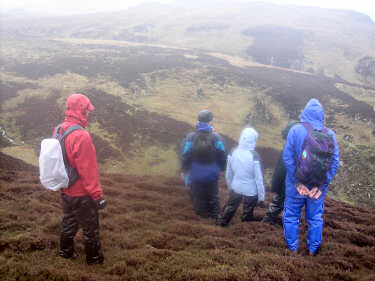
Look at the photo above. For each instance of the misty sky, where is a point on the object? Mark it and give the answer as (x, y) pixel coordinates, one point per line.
(89, 6)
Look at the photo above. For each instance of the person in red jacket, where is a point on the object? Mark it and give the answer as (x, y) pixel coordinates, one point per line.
(82, 200)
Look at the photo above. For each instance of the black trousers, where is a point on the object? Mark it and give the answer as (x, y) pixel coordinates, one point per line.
(80, 211)
(275, 208)
(232, 205)
(206, 199)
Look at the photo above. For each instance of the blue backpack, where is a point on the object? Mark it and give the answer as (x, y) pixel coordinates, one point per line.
(316, 157)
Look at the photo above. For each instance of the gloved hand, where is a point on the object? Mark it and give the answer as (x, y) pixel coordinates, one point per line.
(302, 190)
(101, 203)
(315, 193)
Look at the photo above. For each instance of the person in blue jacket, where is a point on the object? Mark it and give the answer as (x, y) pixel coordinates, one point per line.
(244, 179)
(298, 195)
(204, 173)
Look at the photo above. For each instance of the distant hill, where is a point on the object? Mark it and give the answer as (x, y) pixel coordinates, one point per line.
(323, 41)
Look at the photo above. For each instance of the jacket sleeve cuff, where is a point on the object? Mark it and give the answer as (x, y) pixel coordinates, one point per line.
(97, 195)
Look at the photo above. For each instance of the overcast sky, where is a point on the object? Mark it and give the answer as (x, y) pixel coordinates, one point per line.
(89, 6)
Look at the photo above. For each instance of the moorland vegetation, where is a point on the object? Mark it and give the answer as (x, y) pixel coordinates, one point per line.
(148, 77)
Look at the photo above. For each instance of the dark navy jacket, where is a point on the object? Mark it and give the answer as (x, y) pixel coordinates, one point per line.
(199, 172)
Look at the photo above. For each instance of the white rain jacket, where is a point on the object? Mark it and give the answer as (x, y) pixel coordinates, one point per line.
(243, 174)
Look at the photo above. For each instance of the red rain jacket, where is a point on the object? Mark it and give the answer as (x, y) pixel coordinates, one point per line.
(80, 149)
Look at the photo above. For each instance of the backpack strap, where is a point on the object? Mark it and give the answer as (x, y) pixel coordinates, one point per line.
(67, 132)
(62, 143)
(307, 126)
(58, 128)
(310, 128)
(71, 129)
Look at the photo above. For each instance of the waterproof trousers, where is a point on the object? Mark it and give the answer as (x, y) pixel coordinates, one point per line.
(313, 214)
(206, 198)
(275, 208)
(232, 205)
(80, 211)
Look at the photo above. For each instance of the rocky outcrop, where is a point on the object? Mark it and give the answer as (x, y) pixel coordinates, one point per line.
(5, 140)
(366, 67)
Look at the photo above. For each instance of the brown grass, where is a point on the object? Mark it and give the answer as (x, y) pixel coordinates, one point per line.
(149, 231)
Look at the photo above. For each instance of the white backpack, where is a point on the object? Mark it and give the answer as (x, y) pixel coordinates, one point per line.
(54, 169)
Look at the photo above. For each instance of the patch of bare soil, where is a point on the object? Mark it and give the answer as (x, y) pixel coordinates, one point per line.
(10, 163)
(149, 231)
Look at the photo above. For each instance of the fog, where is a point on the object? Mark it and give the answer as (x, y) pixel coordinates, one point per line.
(93, 6)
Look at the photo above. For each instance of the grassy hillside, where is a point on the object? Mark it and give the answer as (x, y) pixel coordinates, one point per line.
(149, 231)
(147, 98)
(151, 69)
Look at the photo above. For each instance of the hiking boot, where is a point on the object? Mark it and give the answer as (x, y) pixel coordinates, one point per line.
(72, 257)
(220, 222)
(268, 220)
(90, 262)
(214, 216)
(312, 254)
(95, 260)
(247, 218)
(289, 252)
(218, 219)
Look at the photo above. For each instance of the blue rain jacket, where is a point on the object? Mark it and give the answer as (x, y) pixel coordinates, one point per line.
(243, 173)
(313, 114)
(199, 172)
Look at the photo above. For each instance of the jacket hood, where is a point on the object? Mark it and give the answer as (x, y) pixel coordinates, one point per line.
(248, 139)
(203, 127)
(77, 107)
(286, 129)
(313, 114)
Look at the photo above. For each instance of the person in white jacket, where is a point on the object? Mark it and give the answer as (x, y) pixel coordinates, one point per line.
(244, 179)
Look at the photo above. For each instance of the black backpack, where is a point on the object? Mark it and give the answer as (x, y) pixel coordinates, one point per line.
(204, 150)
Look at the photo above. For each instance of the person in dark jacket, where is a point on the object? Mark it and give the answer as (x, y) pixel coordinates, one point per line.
(82, 200)
(204, 167)
(185, 177)
(298, 195)
(278, 182)
(244, 178)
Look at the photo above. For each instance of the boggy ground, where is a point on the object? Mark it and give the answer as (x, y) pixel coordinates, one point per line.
(149, 231)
